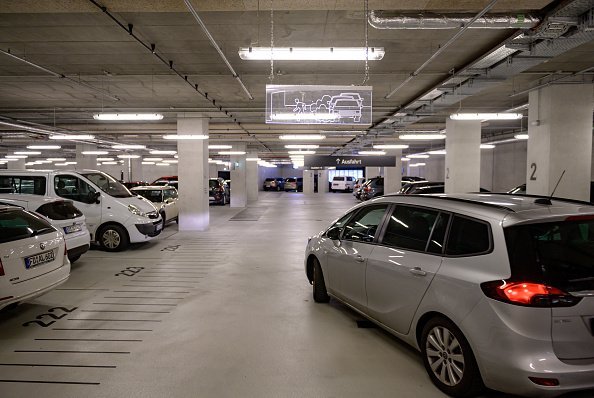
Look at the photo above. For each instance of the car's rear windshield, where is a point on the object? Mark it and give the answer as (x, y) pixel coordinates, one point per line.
(213, 183)
(269, 179)
(154, 195)
(557, 253)
(291, 180)
(61, 210)
(338, 179)
(18, 224)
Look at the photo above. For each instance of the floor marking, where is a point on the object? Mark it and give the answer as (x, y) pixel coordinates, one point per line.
(52, 382)
(75, 351)
(143, 312)
(114, 320)
(147, 291)
(77, 289)
(105, 340)
(60, 365)
(108, 329)
(169, 305)
(177, 287)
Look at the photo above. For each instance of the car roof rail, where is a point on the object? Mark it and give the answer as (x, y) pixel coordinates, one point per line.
(568, 200)
(461, 200)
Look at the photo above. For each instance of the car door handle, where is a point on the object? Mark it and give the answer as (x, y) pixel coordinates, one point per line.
(417, 271)
(359, 259)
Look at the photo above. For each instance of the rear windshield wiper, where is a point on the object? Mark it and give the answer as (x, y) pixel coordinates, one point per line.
(42, 231)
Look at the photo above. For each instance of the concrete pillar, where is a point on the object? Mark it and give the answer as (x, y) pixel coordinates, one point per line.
(238, 178)
(308, 181)
(16, 165)
(393, 175)
(135, 170)
(193, 173)
(251, 170)
(323, 186)
(560, 139)
(85, 161)
(463, 156)
(371, 172)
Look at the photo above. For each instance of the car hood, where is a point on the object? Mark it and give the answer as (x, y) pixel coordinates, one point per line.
(143, 204)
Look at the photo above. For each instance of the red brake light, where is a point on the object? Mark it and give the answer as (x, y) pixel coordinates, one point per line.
(585, 217)
(1, 269)
(544, 381)
(529, 294)
(367, 189)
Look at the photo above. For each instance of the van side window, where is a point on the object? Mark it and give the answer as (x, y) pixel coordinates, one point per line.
(468, 237)
(73, 188)
(409, 227)
(22, 184)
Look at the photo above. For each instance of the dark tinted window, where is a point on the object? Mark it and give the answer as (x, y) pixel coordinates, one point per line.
(379, 182)
(409, 227)
(269, 179)
(364, 225)
(154, 195)
(291, 180)
(468, 237)
(109, 185)
(213, 183)
(73, 188)
(559, 253)
(438, 235)
(59, 211)
(434, 189)
(17, 224)
(169, 194)
(22, 184)
(338, 179)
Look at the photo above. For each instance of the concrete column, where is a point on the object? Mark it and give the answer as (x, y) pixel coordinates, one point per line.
(560, 139)
(238, 178)
(135, 170)
(393, 175)
(85, 161)
(251, 170)
(323, 186)
(308, 181)
(16, 165)
(193, 173)
(463, 156)
(371, 172)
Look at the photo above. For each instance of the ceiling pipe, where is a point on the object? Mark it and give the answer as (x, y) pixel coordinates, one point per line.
(440, 21)
(217, 47)
(442, 48)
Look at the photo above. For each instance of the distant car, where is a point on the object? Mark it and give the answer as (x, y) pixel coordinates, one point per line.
(163, 183)
(33, 256)
(218, 191)
(132, 184)
(357, 186)
(411, 178)
(372, 188)
(294, 184)
(342, 183)
(164, 198)
(274, 184)
(61, 213)
(426, 187)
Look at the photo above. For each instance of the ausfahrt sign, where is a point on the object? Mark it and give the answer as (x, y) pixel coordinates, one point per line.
(349, 161)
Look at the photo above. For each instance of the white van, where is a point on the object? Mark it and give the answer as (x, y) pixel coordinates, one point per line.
(114, 216)
(61, 214)
(342, 183)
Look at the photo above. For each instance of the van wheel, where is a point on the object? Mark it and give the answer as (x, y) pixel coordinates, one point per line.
(163, 218)
(320, 294)
(449, 360)
(113, 238)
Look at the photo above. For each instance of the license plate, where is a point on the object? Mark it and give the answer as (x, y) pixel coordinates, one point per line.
(38, 259)
(159, 226)
(72, 228)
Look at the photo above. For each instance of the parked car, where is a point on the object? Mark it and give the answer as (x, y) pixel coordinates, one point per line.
(166, 182)
(113, 215)
(132, 184)
(164, 198)
(426, 187)
(218, 191)
(342, 183)
(411, 178)
(357, 185)
(33, 256)
(494, 290)
(61, 214)
(274, 184)
(294, 184)
(372, 188)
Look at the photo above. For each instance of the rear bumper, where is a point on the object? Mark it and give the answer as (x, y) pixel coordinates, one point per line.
(75, 252)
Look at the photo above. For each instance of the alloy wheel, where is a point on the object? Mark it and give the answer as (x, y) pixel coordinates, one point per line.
(445, 355)
(111, 239)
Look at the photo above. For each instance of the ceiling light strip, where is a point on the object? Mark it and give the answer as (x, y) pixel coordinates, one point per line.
(311, 53)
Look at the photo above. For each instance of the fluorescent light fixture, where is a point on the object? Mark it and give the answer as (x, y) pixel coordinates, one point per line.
(304, 146)
(416, 165)
(58, 159)
(517, 137)
(94, 152)
(170, 161)
(127, 116)
(175, 156)
(372, 152)
(105, 159)
(486, 116)
(311, 53)
(302, 152)
(72, 137)
(43, 147)
(27, 153)
(232, 153)
(417, 156)
(109, 163)
(304, 116)
(212, 161)
(128, 146)
(128, 156)
(44, 161)
(9, 160)
(253, 159)
(152, 159)
(220, 146)
(60, 164)
(148, 163)
(304, 137)
(17, 156)
(438, 152)
(157, 152)
(185, 137)
(161, 164)
(420, 137)
(487, 146)
(69, 163)
(391, 146)
(405, 159)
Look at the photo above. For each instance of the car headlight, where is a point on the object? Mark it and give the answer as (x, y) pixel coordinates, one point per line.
(136, 211)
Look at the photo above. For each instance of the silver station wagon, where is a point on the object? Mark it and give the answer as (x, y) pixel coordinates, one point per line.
(495, 290)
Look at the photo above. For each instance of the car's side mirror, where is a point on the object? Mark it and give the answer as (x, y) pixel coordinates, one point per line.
(333, 233)
(94, 197)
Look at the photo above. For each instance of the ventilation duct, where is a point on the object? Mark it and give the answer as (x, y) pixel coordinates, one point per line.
(438, 21)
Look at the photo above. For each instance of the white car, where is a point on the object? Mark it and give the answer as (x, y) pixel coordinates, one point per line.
(61, 214)
(163, 197)
(33, 256)
(343, 183)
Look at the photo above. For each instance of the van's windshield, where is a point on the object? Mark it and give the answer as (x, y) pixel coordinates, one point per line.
(108, 184)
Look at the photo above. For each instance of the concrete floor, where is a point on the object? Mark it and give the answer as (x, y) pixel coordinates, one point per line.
(223, 313)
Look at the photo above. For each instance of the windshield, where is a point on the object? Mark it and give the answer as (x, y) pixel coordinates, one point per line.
(154, 195)
(109, 185)
(558, 253)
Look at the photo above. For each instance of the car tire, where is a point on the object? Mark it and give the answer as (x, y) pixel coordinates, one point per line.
(163, 218)
(113, 238)
(177, 220)
(320, 294)
(460, 376)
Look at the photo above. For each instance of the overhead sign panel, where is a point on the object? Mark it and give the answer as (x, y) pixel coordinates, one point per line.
(353, 161)
(329, 105)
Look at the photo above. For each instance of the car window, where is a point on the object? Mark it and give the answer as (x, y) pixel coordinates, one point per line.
(438, 235)
(364, 225)
(22, 184)
(109, 185)
(338, 179)
(73, 188)
(409, 227)
(468, 237)
(61, 210)
(17, 224)
(154, 195)
(169, 194)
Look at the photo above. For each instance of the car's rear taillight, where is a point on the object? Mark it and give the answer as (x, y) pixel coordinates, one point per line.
(367, 189)
(528, 294)
(221, 189)
(1, 269)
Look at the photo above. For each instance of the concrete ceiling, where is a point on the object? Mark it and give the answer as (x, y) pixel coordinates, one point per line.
(76, 39)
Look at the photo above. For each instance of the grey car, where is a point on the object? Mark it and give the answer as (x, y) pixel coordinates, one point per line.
(495, 290)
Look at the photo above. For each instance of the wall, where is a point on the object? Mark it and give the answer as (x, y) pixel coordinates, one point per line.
(509, 166)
